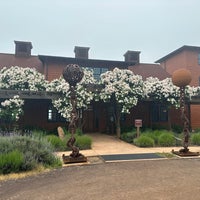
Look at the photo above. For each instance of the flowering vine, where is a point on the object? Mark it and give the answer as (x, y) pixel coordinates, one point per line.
(123, 88)
(165, 91)
(84, 96)
(10, 111)
(19, 78)
(124, 85)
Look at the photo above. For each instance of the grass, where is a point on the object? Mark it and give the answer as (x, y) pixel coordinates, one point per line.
(13, 176)
(166, 155)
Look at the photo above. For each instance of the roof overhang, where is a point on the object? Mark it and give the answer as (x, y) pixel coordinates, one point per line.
(6, 94)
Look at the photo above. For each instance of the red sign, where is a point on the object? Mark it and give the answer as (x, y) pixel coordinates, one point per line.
(138, 123)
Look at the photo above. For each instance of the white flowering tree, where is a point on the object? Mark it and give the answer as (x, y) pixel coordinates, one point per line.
(84, 96)
(123, 89)
(10, 111)
(161, 91)
(164, 91)
(18, 78)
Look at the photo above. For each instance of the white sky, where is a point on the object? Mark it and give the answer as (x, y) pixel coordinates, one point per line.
(108, 27)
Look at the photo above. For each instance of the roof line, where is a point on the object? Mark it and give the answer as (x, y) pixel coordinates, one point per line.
(82, 59)
(185, 47)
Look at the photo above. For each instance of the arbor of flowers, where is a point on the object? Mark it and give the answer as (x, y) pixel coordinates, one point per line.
(161, 91)
(164, 91)
(123, 89)
(18, 78)
(84, 96)
(10, 111)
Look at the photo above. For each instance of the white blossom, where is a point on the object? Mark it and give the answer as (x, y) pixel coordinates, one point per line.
(19, 78)
(125, 86)
(84, 96)
(11, 108)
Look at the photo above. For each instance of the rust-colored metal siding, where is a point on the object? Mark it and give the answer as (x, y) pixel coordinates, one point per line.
(195, 116)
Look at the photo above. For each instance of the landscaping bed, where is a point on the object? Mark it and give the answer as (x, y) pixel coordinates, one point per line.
(159, 138)
(29, 152)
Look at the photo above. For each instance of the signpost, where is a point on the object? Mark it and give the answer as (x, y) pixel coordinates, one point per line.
(138, 124)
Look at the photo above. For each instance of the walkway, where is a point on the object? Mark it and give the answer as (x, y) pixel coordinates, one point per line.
(108, 144)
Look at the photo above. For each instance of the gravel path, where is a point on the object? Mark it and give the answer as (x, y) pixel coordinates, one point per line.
(168, 179)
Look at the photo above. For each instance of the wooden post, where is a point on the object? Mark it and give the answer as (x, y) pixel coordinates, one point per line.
(138, 124)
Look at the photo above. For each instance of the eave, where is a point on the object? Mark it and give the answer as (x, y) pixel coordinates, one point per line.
(6, 94)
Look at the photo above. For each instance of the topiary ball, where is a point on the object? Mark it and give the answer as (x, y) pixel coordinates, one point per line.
(181, 77)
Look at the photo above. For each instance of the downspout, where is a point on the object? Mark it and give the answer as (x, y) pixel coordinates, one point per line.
(45, 67)
(46, 70)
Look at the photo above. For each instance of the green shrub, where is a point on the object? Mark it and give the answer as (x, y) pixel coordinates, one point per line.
(58, 144)
(35, 151)
(153, 134)
(125, 129)
(5, 145)
(195, 138)
(128, 137)
(197, 130)
(144, 141)
(11, 162)
(79, 131)
(177, 128)
(83, 142)
(166, 140)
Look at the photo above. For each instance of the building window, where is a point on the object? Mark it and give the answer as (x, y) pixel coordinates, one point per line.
(159, 113)
(97, 71)
(199, 58)
(54, 116)
(199, 81)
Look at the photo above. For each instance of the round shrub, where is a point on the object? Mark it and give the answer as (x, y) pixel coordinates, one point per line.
(144, 141)
(166, 140)
(195, 139)
(83, 142)
(128, 137)
(11, 162)
(153, 134)
(58, 144)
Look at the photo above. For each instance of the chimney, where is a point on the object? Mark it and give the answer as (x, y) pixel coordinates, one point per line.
(81, 52)
(23, 48)
(132, 56)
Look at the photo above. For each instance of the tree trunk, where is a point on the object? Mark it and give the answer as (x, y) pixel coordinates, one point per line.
(117, 121)
(169, 119)
(118, 130)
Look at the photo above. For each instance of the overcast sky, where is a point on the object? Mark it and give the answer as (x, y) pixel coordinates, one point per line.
(108, 27)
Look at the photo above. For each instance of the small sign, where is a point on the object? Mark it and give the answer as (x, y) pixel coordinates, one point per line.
(138, 123)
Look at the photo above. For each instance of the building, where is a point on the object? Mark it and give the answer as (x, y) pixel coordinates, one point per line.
(38, 110)
(187, 57)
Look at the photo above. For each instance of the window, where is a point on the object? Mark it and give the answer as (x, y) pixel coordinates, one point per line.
(199, 81)
(98, 71)
(54, 116)
(159, 113)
